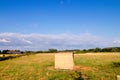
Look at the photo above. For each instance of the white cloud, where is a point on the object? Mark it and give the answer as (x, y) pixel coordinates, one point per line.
(27, 41)
(4, 41)
(116, 41)
(46, 41)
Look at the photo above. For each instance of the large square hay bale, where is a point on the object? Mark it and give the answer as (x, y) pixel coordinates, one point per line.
(64, 61)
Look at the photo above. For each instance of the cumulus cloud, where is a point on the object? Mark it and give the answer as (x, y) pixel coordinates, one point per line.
(27, 41)
(4, 41)
(46, 41)
(116, 41)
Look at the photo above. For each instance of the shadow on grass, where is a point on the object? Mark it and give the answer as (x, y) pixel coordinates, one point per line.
(6, 58)
(116, 64)
(77, 75)
(9, 57)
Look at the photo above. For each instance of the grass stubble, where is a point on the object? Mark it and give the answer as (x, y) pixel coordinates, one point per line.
(89, 66)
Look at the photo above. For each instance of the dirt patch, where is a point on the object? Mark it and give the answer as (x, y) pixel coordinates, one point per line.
(76, 68)
(82, 68)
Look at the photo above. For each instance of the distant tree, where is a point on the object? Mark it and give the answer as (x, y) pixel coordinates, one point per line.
(22, 52)
(0, 52)
(52, 50)
(114, 50)
(76, 51)
(68, 50)
(84, 51)
(90, 50)
(28, 51)
(106, 50)
(39, 51)
(97, 50)
(4, 52)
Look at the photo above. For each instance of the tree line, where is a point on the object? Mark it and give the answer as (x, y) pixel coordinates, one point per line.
(109, 49)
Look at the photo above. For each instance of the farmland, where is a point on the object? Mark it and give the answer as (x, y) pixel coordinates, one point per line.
(89, 66)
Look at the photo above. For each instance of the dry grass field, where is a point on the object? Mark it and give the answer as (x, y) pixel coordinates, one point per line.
(90, 66)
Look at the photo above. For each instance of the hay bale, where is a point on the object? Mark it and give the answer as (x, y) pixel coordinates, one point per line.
(64, 61)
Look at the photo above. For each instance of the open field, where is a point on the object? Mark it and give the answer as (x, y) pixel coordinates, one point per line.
(92, 66)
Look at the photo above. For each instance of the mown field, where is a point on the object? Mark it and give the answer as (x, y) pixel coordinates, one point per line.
(90, 66)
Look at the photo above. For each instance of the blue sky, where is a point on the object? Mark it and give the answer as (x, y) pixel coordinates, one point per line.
(84, 23)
